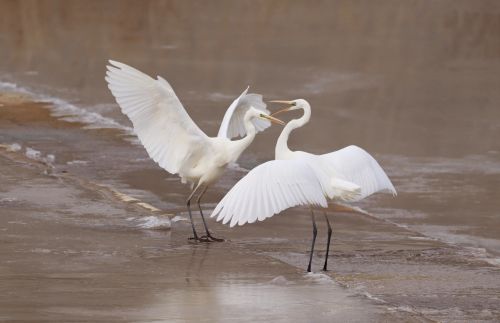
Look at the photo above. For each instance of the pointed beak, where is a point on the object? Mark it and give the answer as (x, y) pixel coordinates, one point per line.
(282, 110)
(282, 101)
(272, 119)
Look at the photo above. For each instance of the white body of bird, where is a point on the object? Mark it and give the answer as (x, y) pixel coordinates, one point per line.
(301, 178)
(170, 136)
(347, 175)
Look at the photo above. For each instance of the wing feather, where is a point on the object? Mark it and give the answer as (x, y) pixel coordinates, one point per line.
(160, 121)
(269, 189)
(232, 124)
(355, 165)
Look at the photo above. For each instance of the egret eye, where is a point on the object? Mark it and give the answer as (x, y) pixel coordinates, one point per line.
(261, 115)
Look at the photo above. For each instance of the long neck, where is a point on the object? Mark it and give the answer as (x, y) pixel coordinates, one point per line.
(239, 146)
(282, 150)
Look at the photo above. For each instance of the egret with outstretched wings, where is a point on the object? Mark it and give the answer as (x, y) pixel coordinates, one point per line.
(174, 141)
(301, 178)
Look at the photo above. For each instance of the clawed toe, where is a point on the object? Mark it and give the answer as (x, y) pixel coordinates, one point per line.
(216, 239)
(200, 239)
(210, 238)
(205, 239)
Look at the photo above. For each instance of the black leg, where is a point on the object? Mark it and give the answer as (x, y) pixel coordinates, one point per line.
(315, 233)
(209, 235)
(195, 235)
(328, 243)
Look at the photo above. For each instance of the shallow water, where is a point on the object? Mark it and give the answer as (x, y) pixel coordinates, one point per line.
(417, 91)
(415, 84)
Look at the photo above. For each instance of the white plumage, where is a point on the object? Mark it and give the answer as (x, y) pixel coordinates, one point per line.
(346, 175)
(300, 178)
(269, 189)
(170, 136)
(163, 126)
(355, 165)
(232, 124)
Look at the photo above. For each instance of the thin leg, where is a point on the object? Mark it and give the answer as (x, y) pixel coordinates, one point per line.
(328, 243)
(315, 233)
(209, 235)
(195, 235)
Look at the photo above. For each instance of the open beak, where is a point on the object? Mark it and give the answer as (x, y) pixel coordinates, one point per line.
(282, 110)
(272, 119)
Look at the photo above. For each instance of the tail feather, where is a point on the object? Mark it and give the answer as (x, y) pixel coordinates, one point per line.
(345, 191)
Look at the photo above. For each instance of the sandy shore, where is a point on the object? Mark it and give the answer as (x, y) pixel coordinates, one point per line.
(71, 253)
(73, 250)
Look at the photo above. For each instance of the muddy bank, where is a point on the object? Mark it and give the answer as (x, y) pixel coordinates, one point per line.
(72, 248)
(70, 253)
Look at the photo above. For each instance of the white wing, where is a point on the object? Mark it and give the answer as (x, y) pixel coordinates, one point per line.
(159, 119)
(333, 186)
(269, 189)
(355, 165)
(232, 123)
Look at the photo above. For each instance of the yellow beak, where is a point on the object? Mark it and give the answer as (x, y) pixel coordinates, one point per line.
(282, 110)
(272, 119)
(282, 101)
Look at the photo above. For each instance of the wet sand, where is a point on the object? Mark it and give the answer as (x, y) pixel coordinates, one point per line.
(73, 250)
(70, 254)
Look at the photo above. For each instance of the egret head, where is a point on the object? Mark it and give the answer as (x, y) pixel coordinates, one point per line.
(294, 105)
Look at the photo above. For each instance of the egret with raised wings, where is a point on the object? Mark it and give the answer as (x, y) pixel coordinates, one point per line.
(174, 141)
(301, 178)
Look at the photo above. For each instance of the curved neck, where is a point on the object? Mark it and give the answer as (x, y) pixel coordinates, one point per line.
(281, 151)
(240, 145)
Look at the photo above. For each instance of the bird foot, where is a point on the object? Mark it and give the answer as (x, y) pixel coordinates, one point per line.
(211, 238)
(200, 239)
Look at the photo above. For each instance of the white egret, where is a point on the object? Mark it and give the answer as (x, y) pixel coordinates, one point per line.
(300, 178)
(174, 141)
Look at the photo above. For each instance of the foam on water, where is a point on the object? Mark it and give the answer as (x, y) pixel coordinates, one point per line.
(14, 147)
(30, 153)
(66, 111)
(481, 254)
(178, 218)
(280, 280)
(8, 86)
(319, 278)
(7, 200)
(373, 298)
(33, 153)
(154, 223)
(77, 162)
